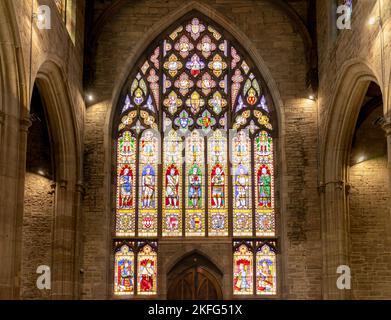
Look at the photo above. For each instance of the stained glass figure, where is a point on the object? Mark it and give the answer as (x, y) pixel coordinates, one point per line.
(218, 191)
(147, 271)
(149, 158)
(266, 280)
(241, 159)
(195, 185)
(172, 102)
(217, 102)
(172, 206)
(124, 268)
(196, 102)
(126, 190)
(195, 65)
(264, 220)
(243, 270)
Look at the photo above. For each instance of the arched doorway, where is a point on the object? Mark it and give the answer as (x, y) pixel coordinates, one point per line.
(39, 198)
(368, 200)
(195, 284)
(194, 278)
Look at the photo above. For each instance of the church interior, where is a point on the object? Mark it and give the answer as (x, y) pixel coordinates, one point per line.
(195, 150)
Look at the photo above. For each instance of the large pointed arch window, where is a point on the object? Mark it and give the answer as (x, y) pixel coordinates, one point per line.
(194, 155)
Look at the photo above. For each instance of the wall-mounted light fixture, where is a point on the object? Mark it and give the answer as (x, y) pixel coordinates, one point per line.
(374, 20)
(90, 97)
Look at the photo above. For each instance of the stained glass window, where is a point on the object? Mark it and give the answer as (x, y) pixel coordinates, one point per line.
(124, 271)
(172, 168)
(195, 157)
(264, 177)
(266, 283)
(241, 181)
(254, 268)
(135, 268)
(218, 185)
(243, 269)
(148, 168)
(147, 270)
(126, 184)
(195, 185)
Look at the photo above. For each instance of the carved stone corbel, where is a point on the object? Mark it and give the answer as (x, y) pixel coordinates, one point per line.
(63, 184)
(25, 124)
(387, 128)
(80, 188)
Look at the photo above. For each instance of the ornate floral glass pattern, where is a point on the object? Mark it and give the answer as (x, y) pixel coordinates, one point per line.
(195, 67)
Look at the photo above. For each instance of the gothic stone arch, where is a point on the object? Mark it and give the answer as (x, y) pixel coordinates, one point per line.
(345, 107)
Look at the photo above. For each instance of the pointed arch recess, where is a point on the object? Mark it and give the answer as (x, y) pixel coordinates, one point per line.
(345, 105)
(150, 114)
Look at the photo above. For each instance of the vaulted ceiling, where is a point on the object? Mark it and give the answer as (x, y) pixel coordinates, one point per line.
(301, 13)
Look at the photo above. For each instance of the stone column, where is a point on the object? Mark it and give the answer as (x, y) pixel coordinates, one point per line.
(79, 195)
(387, 129)
(63, 268)
(13, 140)
(335, 236)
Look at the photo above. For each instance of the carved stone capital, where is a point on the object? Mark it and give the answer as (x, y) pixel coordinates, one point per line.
(63, 184)
(80, 188)
(52, 188)
(387, 128)
(339, 184)
(25, 124)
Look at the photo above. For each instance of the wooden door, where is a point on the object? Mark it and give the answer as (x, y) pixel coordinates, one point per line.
(194, 284)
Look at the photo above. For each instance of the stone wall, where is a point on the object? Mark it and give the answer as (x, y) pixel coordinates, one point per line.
(361, 44)
(37, 233)
(370, 255)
